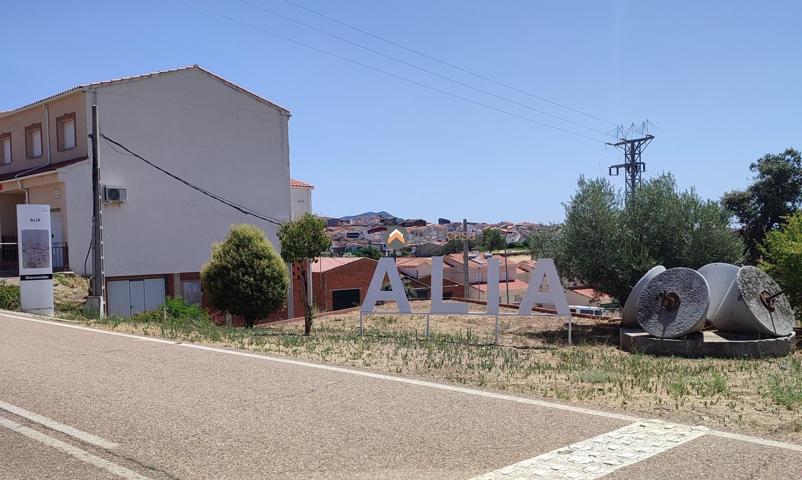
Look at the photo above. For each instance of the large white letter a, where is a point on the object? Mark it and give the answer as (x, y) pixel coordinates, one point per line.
(544, 268)
(386, 267)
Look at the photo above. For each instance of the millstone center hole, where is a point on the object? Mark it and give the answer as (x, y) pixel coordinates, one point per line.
(669, 301)
(767, 299)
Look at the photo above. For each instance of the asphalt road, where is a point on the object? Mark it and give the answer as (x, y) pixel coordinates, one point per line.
(80, 403)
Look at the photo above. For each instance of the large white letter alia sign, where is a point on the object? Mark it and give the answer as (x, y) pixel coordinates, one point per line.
(544, 268)
(438, 305)
(386, 267)
(35, 266)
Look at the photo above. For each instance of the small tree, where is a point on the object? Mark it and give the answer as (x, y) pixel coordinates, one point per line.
(301, 241)
(782, 259)
(368, 252)
(493, 239)
(244, 275)
(455, 246)
(775, 193)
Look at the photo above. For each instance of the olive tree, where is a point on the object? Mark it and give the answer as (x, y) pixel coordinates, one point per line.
(493, 239)
(244, 275)
(301, 241)
(609, 244)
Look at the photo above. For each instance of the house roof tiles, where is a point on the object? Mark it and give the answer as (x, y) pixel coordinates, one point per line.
(300, 184)
(325, 264)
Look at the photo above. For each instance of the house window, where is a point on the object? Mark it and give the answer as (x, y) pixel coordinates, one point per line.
(33, 141)
(5, 148)
(65, 125)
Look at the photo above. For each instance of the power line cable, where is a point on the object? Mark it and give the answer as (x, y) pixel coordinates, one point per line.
(235, 206)
(448, 64)
(422, 69)
(399, 77)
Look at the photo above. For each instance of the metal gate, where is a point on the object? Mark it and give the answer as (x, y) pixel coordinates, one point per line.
(129, 297)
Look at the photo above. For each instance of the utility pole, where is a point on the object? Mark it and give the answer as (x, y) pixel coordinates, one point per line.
(632, 166)
(98, 287)
(506, 270)
(466, 277)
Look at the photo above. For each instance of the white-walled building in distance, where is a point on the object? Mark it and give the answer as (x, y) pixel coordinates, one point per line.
(157, 231)
(300, 198)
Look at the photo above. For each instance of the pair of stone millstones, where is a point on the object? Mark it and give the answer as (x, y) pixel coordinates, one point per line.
(675, 302)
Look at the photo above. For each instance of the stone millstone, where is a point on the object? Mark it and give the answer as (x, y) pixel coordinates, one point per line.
(674, 303)
(628, 314)
(746, 308)
(719, 277)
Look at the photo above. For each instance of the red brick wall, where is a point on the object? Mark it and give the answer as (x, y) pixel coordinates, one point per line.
(356, 274)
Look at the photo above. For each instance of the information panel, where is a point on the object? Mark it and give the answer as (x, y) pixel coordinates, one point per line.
(35, 258)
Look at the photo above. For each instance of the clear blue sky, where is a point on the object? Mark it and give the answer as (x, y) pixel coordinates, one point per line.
(722, 81)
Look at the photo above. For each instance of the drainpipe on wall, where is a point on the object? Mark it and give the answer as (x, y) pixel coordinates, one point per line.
(47, 134)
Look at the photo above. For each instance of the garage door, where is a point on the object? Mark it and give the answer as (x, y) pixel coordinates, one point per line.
(341, 299)
(129, 297)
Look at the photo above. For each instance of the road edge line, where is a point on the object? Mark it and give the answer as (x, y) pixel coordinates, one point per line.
(58, 426)
(72, 450)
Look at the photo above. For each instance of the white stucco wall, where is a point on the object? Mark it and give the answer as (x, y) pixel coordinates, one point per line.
(300, 201)
(203, 131)
(78, 201)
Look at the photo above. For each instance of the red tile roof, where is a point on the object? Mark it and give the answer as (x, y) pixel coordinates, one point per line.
(412, 261)
(324, 264)
(591, 293)
(527, 265)
(454, 259)
(43, 169)
(298, 183)
(514, 285)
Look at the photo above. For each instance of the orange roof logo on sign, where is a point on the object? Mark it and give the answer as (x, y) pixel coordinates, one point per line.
(396, 238)
(395, 235)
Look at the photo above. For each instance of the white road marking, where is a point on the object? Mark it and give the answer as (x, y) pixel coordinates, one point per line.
(599, 456)
(756, 440)
(469, 391)
(72, 451)
(60, 427)
(79, 327)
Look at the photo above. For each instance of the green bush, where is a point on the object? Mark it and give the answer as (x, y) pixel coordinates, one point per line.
(245, 275)
(178, 308)
(782, 259)
(9, 296)
(175, 312)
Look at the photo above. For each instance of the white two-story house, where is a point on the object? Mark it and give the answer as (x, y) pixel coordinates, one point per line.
(157, 232)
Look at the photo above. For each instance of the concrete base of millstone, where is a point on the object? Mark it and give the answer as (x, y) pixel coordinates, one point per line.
(706, 344)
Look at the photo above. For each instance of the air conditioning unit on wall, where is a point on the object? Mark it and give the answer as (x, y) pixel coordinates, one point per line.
(114, 194)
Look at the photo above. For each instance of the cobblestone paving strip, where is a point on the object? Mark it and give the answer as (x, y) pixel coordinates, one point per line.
(601, 455)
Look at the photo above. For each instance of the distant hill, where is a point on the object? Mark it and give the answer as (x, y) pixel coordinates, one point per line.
(382, 214)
